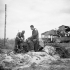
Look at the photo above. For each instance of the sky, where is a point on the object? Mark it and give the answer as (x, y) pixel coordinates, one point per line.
(43, 14)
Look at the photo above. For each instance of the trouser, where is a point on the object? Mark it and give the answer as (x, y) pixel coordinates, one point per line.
(36, 45)
(31, 45)
(24, 46)
(17, 45)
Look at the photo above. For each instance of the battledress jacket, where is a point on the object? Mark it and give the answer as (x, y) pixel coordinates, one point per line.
(35, 34)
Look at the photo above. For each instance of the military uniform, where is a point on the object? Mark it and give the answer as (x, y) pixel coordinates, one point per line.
(34, 40)
(18, 40)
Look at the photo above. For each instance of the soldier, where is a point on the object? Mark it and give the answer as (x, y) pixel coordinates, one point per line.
(23, 44)
(34, 39)
(19, 39)
(22, 35)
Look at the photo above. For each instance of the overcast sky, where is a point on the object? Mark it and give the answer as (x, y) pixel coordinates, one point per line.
(43, 14)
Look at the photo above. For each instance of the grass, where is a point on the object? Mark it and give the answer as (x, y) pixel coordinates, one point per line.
(9, 44)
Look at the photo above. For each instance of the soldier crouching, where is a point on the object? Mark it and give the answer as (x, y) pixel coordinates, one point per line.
(20, 44)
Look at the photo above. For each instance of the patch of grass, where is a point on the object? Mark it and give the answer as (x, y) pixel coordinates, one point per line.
(9, 44)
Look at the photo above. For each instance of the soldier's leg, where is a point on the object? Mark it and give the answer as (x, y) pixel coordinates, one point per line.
(25, 47)
(19, 44)
(31, 45)
(36, 45)
(16, 45)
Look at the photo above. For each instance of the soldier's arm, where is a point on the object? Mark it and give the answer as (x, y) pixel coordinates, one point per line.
(17, 37)
(23, 38)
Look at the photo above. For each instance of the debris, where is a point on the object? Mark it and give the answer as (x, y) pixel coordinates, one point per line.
(49, 50)
(26, 60)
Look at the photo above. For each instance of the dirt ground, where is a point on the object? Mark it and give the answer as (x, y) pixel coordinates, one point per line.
(65, 65)
(54, 66)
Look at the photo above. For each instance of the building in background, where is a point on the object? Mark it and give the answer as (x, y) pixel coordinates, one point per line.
(49, 35)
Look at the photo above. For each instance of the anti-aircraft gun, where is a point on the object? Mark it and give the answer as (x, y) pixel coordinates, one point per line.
(63, 34)
(57, 36)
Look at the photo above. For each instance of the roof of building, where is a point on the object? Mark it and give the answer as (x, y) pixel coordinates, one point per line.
(51, 32)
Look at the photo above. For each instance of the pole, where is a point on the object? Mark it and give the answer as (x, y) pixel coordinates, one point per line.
(5, 26)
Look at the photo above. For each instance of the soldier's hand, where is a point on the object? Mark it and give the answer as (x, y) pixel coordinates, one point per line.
(34, 39)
